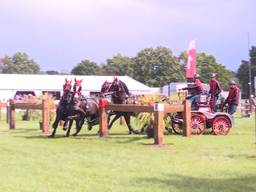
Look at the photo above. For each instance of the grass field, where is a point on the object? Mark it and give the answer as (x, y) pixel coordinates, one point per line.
(29, 161)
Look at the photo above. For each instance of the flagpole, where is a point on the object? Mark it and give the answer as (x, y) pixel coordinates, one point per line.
(249, 69)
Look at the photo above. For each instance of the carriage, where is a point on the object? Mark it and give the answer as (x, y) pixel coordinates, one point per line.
(204, 120)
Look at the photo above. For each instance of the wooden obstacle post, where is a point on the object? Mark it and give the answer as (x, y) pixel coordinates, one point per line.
(103, 118)
(187, 119)
(11, 115)
(2, 105)
(246, 108)
(7, 112)
(45, 115)
(158, 123)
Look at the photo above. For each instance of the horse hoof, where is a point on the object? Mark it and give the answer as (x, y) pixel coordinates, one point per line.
(74, 135)
(89, 127)
(51, 136)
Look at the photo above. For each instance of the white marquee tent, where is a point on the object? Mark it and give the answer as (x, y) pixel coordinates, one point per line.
(11, 83)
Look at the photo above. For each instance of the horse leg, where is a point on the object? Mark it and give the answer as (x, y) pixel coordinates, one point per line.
(54, 126)
(53, 133)
(113, 120)
(56, 122)
(79, 125)
(93, 120)
(65, 126)
(69, 127)
(127, 118)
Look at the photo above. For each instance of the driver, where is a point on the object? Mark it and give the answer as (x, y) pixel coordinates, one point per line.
(196, 89)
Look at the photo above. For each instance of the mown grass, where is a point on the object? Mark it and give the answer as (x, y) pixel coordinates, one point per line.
(29, 161)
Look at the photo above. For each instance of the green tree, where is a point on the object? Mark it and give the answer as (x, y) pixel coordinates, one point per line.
(243, 74)
(86, 67)
(207, 64)
(253, 67)
(157, 67)
(52, 72)
(182, 58)
(19, 63)
(118, 65)
(243, 77)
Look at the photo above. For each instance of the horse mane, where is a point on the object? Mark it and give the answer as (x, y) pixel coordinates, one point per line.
(125, 87)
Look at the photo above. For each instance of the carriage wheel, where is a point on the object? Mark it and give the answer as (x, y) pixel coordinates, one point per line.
(197, 123)
(149, 129)
(177, 128)
(177, 125)
(221, 125)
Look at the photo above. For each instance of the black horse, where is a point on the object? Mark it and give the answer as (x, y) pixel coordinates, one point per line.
(120, 95)
(90, 106)
(62, 111)
(83, 109)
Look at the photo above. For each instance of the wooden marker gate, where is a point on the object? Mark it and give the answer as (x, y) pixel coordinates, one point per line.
(159, 109)
(44, 106)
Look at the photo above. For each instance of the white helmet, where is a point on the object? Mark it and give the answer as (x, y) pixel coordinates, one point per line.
(232, 82)
(213, 75)
(196, 76)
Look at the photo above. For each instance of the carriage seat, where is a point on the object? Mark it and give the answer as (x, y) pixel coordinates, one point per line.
(203, 103)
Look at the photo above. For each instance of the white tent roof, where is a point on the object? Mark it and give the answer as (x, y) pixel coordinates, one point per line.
(55, 82)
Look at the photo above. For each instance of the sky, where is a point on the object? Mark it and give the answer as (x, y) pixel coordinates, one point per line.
(58, 34)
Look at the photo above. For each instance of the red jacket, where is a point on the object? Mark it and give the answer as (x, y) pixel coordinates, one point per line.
(215, 87)
(196, 88)
(233, 95)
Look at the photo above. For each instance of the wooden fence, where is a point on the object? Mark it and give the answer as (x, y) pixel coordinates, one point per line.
(44, 106)
(2, 105)
(159, 109)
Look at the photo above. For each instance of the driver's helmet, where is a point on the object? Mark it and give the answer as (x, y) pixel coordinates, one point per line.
(196, 76)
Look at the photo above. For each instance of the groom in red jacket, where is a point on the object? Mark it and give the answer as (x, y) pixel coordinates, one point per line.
(215, 90)
(233, 97)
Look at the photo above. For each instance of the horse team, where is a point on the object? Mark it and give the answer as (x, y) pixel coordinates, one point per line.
(74, 106)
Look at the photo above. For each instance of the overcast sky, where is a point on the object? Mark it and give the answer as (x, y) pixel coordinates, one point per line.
(58, 34)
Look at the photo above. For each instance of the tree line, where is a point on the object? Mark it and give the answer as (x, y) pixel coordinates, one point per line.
(154, 67)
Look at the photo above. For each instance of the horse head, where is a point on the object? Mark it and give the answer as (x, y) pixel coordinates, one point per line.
(119, 86)
(120, 91)
(77, 87)
(105, 87)
(67, 86)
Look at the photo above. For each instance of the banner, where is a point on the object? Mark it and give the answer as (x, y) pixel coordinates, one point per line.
(191, 64)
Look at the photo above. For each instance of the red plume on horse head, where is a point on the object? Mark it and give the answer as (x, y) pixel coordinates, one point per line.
(106, 82)
(68, 82)
(67, 85)
(77, 87)
(115, 78)
(78, 82)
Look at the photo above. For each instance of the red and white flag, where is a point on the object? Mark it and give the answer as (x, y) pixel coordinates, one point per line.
(191, 63)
